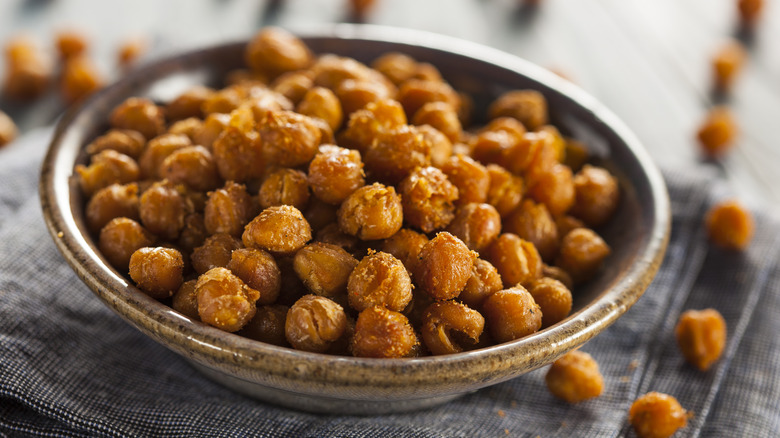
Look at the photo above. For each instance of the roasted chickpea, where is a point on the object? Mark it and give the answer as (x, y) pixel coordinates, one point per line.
(576, 155)
(157, 150)
(140, 115)
(80, 78)
(596, 195)
(727, 65)
(405, 245)
(533, 222)
(28, 71)
(379, 280)
(566, 223)
(517, 260)
(471, 178)
(730, 225)
(657, 415)
(281, 230)
(224, 301)
(223, 101)
(413, 94)
(70, 43)
(130, 143)
(581, 254)
(293, 85)
(443, 117)
(324, 268)
(193, 234)
(543, 159)
(444, 266)
(322, 103)
(333, 235)
(511, 314)
(505, 190)
(395, 154)
(157, 271)
(130, 50)
(575, 377)
(701, 336)
(383, 333)
(274, 51)
(238, 155)
(258, 270)
(228, 210)
(285, 187)
(111, 202)
(491, 147)
(357, 94)
(749, 12)
(193, 166)
(717, 132)
(162, 209)
(441, 147)
(559, 274)
(365, 124)
(331, 70)
(106, 167)
(450, 327)
(215, 252)
(320, 214)
(527, 106)
(289, 139)
(189, 103)
(371, 212)
(521, 154)
(185, 300)
(120, 238)
(484, 280)
(314, 322)
(555, 189)
(8, 129)
(267, 325)
(553, 297)
(335, 173)
(428, 199)
(477, 225)
(396, 66)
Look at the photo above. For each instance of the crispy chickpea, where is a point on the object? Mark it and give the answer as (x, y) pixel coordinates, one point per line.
(553, 297)
(527, 106)
(484, 280)
(188, 104)
(505, 191)
(395, 154)
(320, 214)
(383, 333)
(80, 78)
(576, 155)
(289, 139)
(130, 143)
(211, 128)
(566, 223)
(120, 238)
(111, 202)
(193, 166)
(543, 159)
(267, 325)
(574, 377)
(324, 268)
(193, 234)
(581, 254)
(228, 210)
(441, 147)
(293, 85)
(477, 225)
(371, 212)
(8, 129)
(162, 209)
(511, 314)
(314, 322)
(519, 154)
(224, 301)
(397, 67)
(717, 132)
(727, 65)
(558, 142)
(379, 280)
(357, 94)
(559, 274)
(130, 50)
(657, 415)
(239, 155)
(190, 127)
(555, 189)
(157, 271)
(450, 327)
(596, 195)
(442, 116)
(274, 51)
(323, 103)
(140, 115)
(333, 235)
(185, 300)
(428, 199)
(258, 270)
(70, 43)
(413, 94)
(517, 260)
(533, 222)
(28, 71)
(331, 70)
(470, 177)
(215, 252)
(223, 101)
(107, 167)
(157, 150)
(365, 124)
(444, 266)
(285, 187)
(281, 230)
(749, 12)
(730, 225)
(405, 245)
(335, 173)
(701, 336)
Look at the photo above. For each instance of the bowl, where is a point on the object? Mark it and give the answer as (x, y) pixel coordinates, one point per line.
(638, 235)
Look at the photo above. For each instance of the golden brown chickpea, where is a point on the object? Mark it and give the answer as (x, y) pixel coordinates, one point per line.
(511, 314)
(450, 327)
(320, 214)
(489, 147)
(517, 260)
(107, 167)
(28, 70)
(717, 132)
(246, 78)
(505, 190)
(484, 280)
(140, 115)
(444, 266)
(383, 333)
(80, 78)
(576, 155)
(596, 195)
(189, 127)
(324, 268)
(519, 156)
(193, 234)
(335, 173)
(657, 415)
(120, 238)
(727, 65)
(130, 50)
(555, 189)
(441, 147)
(379, 280)
(260, 99)
(559, 274)
(730, 225)
(215, 252)
(192, 166)
(293, 85)
(397, 67)
(544, 157)
(567, 223)
(428, 199)
(8, 130)
(70, 43)
(477, 225)
(471, 178)
(228, 210)
(211, 128)
(267, 325)
(323, 103)
(574, 377)
(185, 300)
(111, 202)
(333, 235)
(395, 154)
(130, 143)
(285, 187)
(413, 94)
(356, 94)
(157, 150)
(188, 104)
(157, 271)
(442, 116)
(162, 209)
(533, 222)
(224, 301)
(289, 139)
(223, 101)
(274, 51)
(314, 322)
(581, 254)
(281, 230)
(365, 124)
(371, 212)
(558, 142)
(405, 245)
(527, 106)
(749, 12)
(239, 155)
(553, 297)
(258, 270)
(331, 70)
(701, 336)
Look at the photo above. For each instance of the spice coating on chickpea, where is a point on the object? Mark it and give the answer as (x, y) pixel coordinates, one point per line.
(444, 266)
(215, 252)
(553, 297)
(405, 245)
(140, 115)
(371, 212)
(413, 94)
(365, 124)
(450, 327)
(357, 94)
(111, 202)
(324, 268)
(335, 173)
(730, 225)
(471, 178)
(575, 377)
(281, 230)
(157, 150)
(554, 189)
(477, 225)
(581, 254)
(314, 322)
(511, 314)
(717, 132)
(380, 332)
(193, 166)
(289, 139)
(701, 336)
(505, 190)
(527, 106)
(185, 300)
(484, 280)
(379, 280)
(395, 154)
(285, 187)
(120, 238)
(428, 199)
(534, 223)
(228, 210)
(125, 141)
(162, 209)
(106, 167)
(657, 415)
(224, 301)
(322, 103)
(274, 51)
(596, 195)
(517, 260)
(442, 116)
(258, 270)
(157, 271)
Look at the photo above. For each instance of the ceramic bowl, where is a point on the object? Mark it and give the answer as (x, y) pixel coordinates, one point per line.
(638, 235)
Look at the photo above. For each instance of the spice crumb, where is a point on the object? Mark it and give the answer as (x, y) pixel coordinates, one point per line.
(633, 364)
(60, 234)
(501, 413)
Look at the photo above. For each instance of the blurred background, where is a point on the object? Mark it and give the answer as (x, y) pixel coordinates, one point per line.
(651, 62)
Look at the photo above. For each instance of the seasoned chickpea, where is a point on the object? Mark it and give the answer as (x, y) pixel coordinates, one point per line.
(533, 222)
(130, 50)
(576, 155)
(581, 254)
(484, 280)
(314, 322)
(157, 150)
(125, 141)
(258, 270)
(701, 336)
(289, 139)
(70, 43)
(357, 94)
(188, 104)
(8, 129)
(527, 106)
(324, 268)
(395, 154)
(717, 132)
(157, 271)
(293, 85)
(267, 325)
(749, 12)
(215, 252)
(28, 70)
(193, 234)
(211, 128)
(331, 70)
(140, 115)
(371, 212)
(553, 297)
(555, 189)
(727, 65)
(323, 103)
(575, 377)
(224, 301)
(505, 191)
(224, 101)
(441, 147)
(185, 300)
(596, 195)
(556, 273)
(405, 245)
(335, 173)
(274, 51)
(333, 235)
(543, 158)
(285, 187)
(80, 78)
(383, 333)
(444, 266)
(107, 167)
(379, 280)
(397, 67)
(730, 225)
(365, 124)
(193, 166)
(477, 225)
(413, 94)
(428, 199)
(471, 178)
(162, 209)
(450, 327)
(281, 230)
(519, 154)
(492, 146)
(320, 214)
(111, 202)
(566, 223)
(511, 314)
(657, 415)
(442, 116)
(228, 210)
(239, 155)
(517, 260)
(120, 238)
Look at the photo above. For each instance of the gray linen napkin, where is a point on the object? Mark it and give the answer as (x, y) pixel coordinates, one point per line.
(71, 367)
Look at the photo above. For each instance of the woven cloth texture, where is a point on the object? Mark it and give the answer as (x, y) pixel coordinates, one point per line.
(69, 366)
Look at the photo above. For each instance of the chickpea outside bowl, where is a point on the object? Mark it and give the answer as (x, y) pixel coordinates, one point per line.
(637, 234)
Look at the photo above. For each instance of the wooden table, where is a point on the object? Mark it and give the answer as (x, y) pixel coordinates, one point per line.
(649, 61)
